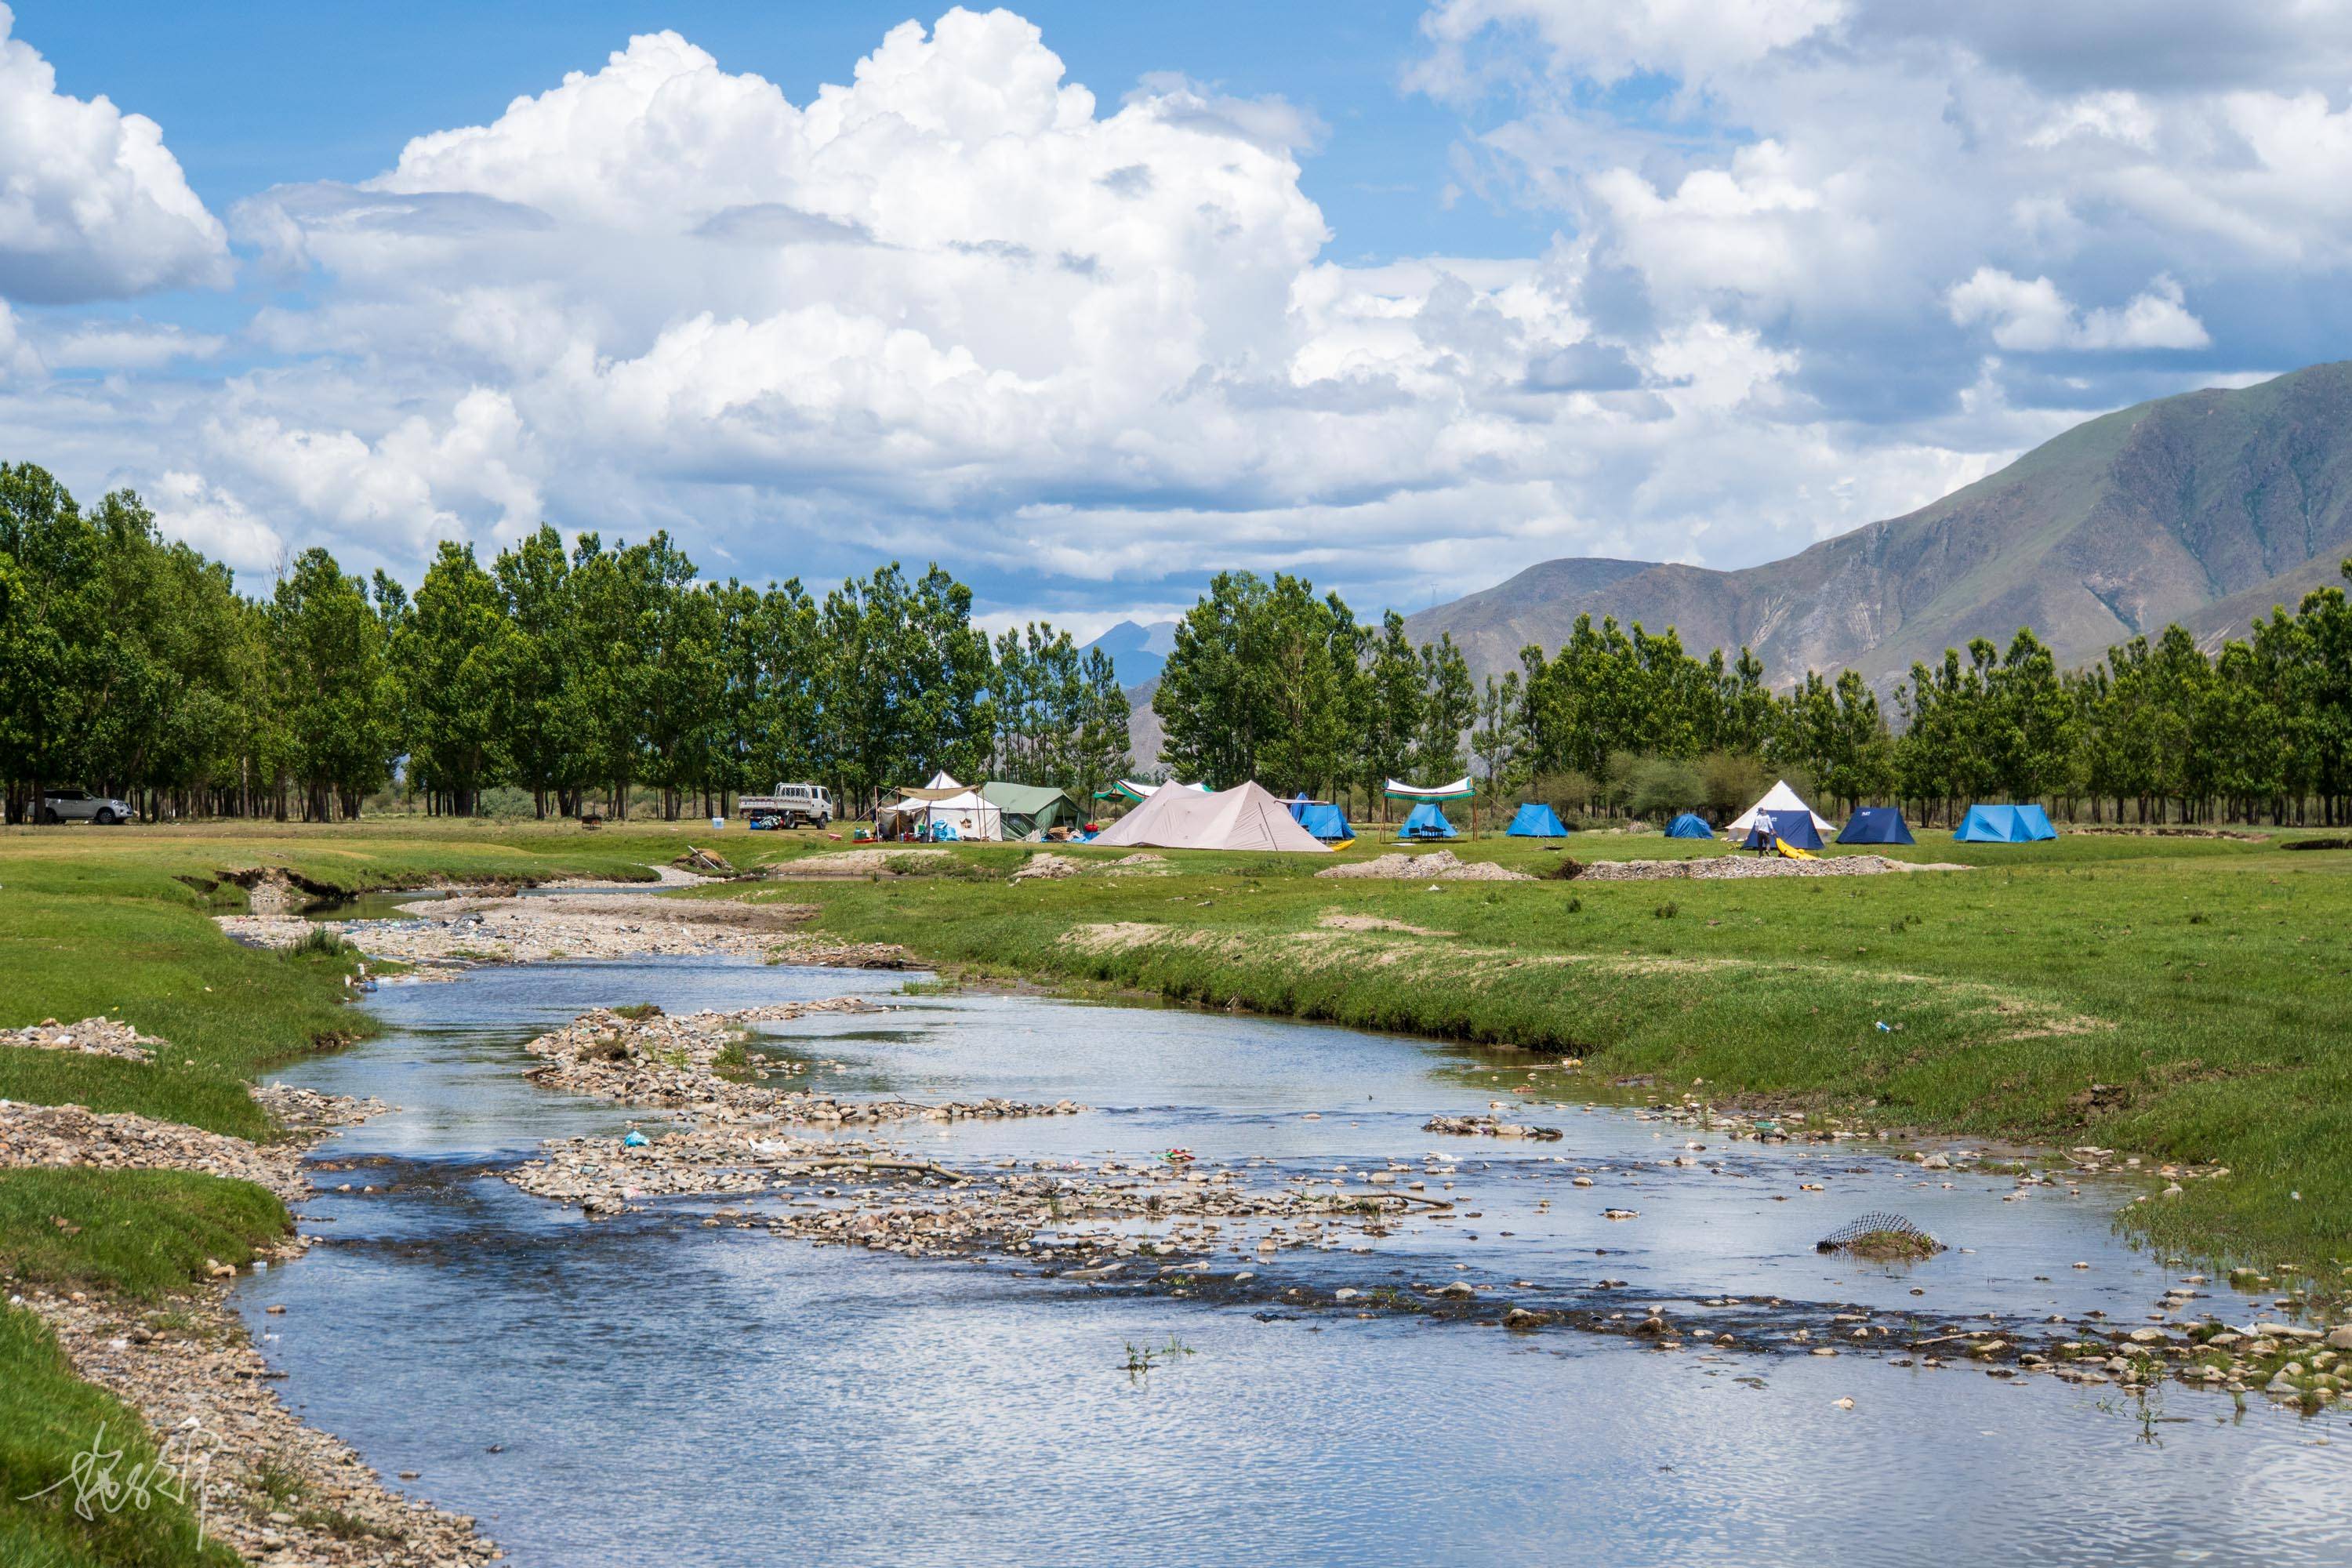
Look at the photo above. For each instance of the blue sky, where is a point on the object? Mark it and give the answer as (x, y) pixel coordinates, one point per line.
(1403, 297)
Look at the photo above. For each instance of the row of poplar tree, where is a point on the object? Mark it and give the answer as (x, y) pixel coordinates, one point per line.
(591, 672)
(1270, 680)
(579, 675)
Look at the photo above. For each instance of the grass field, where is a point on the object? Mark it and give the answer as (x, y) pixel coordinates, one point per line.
(2201, 983)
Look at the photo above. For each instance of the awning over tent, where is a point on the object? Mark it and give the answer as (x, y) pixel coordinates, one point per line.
(1876, 824)
(1322, 819)
(1243, 817)
(1689, 825)
(1458, 790)
(2004, 824)
(1536, 820)
(1794, 828)
(1777, 802)
(1426, 822)
(1129, 789)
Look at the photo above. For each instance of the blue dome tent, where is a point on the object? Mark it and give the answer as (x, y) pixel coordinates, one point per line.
(1876, 824)
(1322, 819)
(1426, 822)
(1535, 820)
(2004, 824)
(1689, 825)
(1794, 828)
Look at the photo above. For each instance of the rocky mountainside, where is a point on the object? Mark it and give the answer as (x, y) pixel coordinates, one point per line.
(2204, 508)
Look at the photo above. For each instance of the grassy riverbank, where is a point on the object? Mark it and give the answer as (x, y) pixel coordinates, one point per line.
(93, 921)
(2180, 998)
(2176, 997)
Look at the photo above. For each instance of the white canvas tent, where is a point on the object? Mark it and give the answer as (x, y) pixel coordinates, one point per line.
(1243, 817)
(1778, 799)
(972, 816)
(941, 780)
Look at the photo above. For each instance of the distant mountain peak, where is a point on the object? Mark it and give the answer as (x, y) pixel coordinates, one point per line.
(1138, 650)
(2204, 508)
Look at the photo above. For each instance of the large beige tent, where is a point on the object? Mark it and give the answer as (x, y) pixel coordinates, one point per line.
(1243, 817)
(1778, 799)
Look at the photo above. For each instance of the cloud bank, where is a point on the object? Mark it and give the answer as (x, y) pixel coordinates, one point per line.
(1814, 262)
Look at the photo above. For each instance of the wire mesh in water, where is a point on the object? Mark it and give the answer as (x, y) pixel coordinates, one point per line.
(1880, 1234)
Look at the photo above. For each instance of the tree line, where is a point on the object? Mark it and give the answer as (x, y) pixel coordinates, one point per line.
(1269, 680)
(585, 672)
(131, 664)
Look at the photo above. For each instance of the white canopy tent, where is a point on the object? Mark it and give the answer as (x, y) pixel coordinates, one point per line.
(1244, 818)
(941, 780)
(1780, 799)
(971, 814)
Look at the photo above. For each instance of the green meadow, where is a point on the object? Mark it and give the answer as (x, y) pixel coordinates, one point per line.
(2180, 998)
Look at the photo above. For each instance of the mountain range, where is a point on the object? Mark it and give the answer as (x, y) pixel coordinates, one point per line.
(2205, 508)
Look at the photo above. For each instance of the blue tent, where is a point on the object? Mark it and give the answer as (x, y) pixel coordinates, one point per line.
(2004, 824)
(1689, 825)
(1794, 828)
(1322, 819)
(1426, 822)
(1876, 824)
(1535, 820)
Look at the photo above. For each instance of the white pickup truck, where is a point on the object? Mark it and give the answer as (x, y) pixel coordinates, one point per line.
(791, 806)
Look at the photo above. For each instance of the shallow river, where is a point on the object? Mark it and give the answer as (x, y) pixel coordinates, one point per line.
(645, 1390)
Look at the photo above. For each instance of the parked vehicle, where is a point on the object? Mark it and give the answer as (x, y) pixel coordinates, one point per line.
(791, 806)
(80, 805)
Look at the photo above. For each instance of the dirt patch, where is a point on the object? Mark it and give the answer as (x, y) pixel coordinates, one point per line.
(1334, 921)
(1438, 866)
(1142, 864)
(1048, 865)
(878, 862)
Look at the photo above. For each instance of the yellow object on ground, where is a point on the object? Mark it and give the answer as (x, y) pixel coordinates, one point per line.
(1792, 852)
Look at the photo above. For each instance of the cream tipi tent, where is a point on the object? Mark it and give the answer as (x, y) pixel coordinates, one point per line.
(1243, 817)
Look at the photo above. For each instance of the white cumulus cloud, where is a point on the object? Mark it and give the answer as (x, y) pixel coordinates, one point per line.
(2033, 316)
(92, 204)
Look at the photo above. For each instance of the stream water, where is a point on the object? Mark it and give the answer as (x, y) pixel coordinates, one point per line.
(645, 1390)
